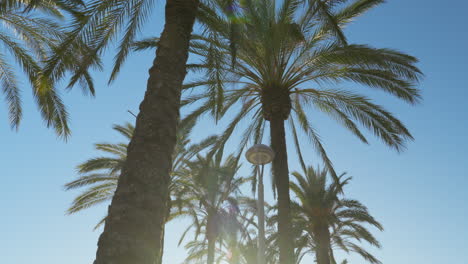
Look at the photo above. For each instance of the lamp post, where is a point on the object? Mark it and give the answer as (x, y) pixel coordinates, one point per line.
(260, 154)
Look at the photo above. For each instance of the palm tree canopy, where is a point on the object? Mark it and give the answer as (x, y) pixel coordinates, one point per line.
(100, 175)
(101, 24)
(30, 30)
(289, 57)
(322, 205)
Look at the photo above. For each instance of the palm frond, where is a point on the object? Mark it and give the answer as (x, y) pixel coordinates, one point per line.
(140, 11)
(12, 92)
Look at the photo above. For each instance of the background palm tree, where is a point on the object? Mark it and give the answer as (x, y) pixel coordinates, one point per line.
(285, 57)
(29, 30)
(237, 243)
(100, 175)
(209, 196)
(300, 249)
(328, 219)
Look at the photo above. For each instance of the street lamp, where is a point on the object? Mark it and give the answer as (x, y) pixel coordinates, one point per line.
(260, 154)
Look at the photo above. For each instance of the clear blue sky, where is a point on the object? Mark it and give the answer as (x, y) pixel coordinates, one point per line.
(418, 195)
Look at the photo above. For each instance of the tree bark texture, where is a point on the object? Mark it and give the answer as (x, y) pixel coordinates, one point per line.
(322, 254)
(281, 177)
(134, 229)
(211, 237)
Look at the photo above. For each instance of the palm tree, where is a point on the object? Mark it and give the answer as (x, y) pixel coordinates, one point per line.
(237, 242)
(243, 248)
(29, 31)
(210, 194)
(286, 56)
(330, 220)
(100, 175)
(144, 182)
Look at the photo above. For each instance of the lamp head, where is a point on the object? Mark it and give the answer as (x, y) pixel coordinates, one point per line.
(259, 154)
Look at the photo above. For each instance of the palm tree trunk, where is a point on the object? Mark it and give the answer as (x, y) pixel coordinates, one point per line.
(323, 245)
(332, 257)
(134, 229)
(281, 177)
(211, 237)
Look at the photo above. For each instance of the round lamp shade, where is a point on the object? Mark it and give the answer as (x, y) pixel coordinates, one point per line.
(259, 154)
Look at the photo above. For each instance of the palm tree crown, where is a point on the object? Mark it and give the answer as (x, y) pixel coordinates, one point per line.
(289, 59)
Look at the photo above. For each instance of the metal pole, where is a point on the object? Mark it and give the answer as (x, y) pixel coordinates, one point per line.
(261, 218)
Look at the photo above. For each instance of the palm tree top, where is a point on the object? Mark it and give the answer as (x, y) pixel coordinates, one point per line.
(290, 56)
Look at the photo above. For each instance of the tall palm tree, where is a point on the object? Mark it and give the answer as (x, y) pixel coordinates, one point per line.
(329, 219)
(288, 61)
(144, 181)
(210, 199)
(29, 30)
(100, 175)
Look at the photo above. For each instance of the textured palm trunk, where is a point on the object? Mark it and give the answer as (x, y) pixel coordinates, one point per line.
(211, 237)
(322, 253)
(134, 229)
(281, 177)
